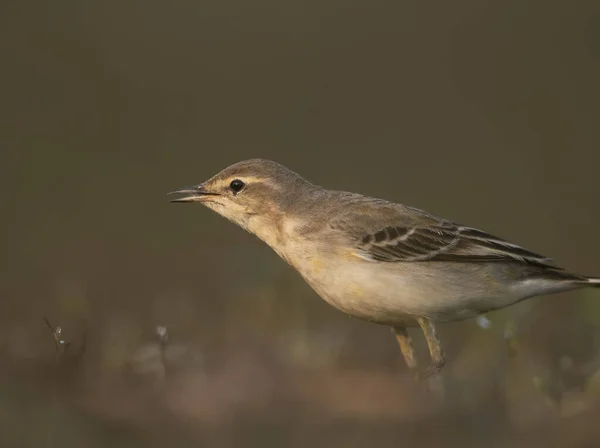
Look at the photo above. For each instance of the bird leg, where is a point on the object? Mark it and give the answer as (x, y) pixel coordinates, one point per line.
(406, 347)
(435, 347)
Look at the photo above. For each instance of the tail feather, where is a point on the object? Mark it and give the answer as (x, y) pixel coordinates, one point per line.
(592, 281)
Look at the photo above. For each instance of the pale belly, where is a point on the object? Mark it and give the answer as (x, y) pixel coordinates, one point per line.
(398, 293)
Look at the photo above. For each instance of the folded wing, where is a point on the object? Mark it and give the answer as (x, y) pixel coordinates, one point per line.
(443, 242)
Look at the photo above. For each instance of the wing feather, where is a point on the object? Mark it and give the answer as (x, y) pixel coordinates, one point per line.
(388, 232)
(444, 242)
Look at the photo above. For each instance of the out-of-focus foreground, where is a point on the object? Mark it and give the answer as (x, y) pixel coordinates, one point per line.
(177, 328)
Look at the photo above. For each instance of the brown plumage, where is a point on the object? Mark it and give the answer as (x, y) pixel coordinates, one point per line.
(380, 261)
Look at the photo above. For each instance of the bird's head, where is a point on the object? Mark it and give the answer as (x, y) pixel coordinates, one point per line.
(250, 189)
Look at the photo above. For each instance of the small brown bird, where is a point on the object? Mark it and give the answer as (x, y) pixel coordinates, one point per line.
(380, 261)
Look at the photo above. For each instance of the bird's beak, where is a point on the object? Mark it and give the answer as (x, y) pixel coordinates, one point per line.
(192, 194)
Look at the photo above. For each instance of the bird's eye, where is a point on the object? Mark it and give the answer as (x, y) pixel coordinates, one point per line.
(237, 185)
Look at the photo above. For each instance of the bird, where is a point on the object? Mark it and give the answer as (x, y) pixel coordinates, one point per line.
(377, 260)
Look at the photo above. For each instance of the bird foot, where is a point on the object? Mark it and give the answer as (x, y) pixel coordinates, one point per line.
(431, 370)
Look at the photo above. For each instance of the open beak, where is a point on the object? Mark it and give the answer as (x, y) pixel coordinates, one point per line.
(192, 194)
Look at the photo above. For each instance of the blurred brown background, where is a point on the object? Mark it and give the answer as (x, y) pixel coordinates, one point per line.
(484, 112)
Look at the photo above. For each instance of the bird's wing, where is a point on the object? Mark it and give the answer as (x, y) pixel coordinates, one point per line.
(443, 242)
(412, 235)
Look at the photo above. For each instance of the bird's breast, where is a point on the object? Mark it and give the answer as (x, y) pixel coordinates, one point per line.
(345, 283)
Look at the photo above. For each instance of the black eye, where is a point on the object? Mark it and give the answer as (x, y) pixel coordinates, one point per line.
(236, 185)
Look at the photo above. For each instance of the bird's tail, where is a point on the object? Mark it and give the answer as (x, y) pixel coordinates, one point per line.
(592, 281)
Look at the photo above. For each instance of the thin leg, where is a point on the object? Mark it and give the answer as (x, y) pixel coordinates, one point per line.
(406, 347)
(435, 347)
